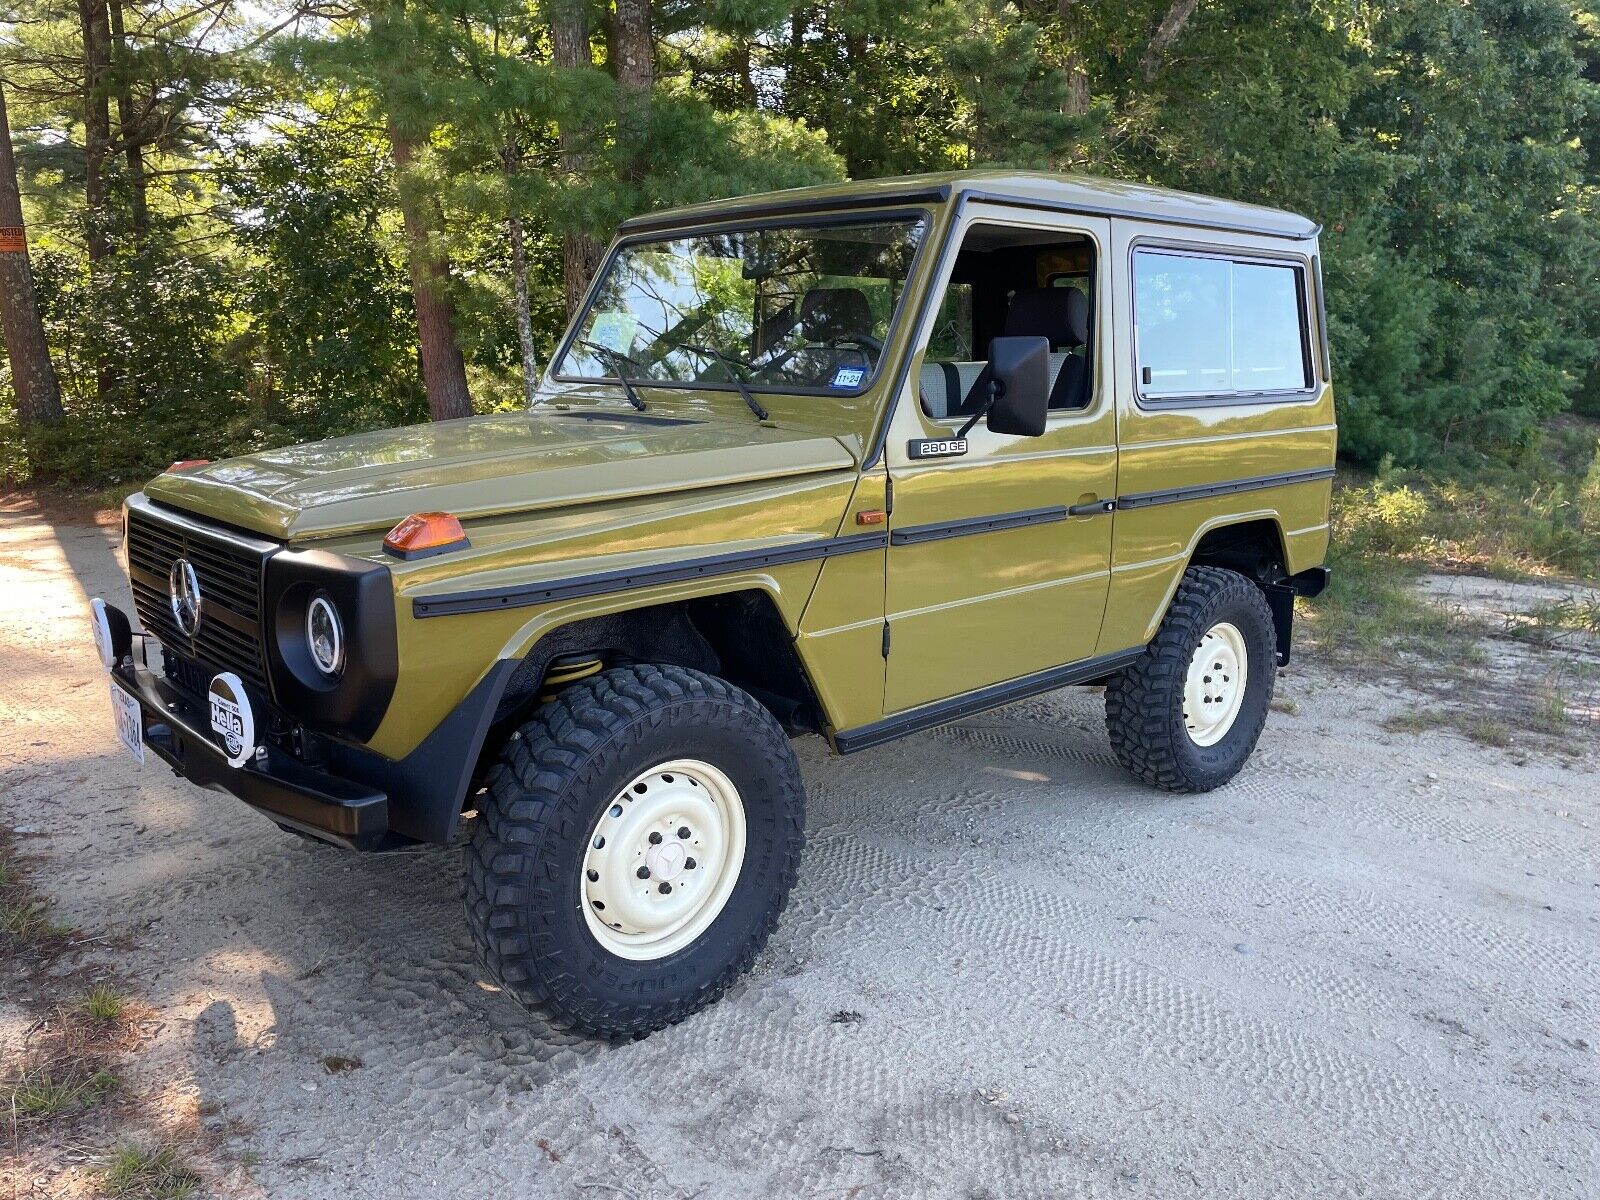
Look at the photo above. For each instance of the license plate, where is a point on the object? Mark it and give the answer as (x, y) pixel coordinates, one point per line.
(130, 721)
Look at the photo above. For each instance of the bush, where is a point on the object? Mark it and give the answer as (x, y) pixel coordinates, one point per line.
(1381, 518)
(1589, 496)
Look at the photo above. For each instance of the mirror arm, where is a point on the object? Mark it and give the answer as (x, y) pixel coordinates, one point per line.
(996, 390)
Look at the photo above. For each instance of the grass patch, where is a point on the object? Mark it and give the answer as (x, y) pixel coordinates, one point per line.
(25, 921)
(104, 1003)
(1372, 608)
(1485, 731)
(44, 1093)
(1539, 516)
(25, 924)
(1536, 516)
(1552, 622)
(1418, 720)
(1549, 713)
(148, 1172)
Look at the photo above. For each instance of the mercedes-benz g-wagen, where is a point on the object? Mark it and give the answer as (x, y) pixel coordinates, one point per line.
(850, 461)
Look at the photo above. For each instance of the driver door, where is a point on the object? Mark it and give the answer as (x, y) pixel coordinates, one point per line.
(999, 556)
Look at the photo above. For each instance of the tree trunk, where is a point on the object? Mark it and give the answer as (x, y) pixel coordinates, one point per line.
(744, 67)
(569, 36)
(635, 65)
(1166, 33)
(519, 264)
(128, 131)
(444, 373)
(32, 375)
(519, 280)
(1077, 101)
(96, 123)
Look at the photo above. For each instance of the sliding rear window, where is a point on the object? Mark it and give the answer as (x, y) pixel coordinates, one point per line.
(1208, 327)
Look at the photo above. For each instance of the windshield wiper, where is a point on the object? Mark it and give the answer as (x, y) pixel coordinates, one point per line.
(733, 364)
(616, 358)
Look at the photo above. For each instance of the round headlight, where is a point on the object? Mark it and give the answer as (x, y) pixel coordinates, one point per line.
(325, 635)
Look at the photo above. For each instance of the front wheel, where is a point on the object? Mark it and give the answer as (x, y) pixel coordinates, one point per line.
(636, 844)
(1186, 715)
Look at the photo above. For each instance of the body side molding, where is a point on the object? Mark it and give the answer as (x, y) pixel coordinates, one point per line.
(600, 583)
(1206, 490)
(965, 526)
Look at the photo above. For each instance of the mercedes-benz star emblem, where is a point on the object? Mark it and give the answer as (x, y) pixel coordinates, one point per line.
(183, 585)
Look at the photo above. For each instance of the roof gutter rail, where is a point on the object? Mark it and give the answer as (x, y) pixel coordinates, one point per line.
(774, 207)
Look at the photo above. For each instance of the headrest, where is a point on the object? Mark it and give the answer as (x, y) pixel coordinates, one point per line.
(827, 314)
(1060, 314)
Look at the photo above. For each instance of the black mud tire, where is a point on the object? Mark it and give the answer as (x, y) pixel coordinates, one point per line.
(1144, 701)
(555, 777)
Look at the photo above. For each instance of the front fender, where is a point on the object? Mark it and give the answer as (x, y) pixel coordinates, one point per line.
(457, 615)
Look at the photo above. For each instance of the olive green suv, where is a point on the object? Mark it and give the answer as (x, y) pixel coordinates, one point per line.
(850, 461)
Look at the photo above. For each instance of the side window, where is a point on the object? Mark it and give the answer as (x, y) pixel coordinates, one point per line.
(1011, 281)
(951, 338)
(1208, 326)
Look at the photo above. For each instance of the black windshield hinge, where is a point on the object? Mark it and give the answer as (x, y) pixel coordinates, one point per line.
(886, 639)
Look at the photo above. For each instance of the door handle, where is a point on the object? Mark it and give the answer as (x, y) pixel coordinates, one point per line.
(1092, 508)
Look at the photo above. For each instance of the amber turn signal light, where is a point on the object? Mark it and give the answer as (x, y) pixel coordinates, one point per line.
(424, 534)
(188, 464)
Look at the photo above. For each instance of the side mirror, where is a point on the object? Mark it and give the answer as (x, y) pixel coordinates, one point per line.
(1020, 370)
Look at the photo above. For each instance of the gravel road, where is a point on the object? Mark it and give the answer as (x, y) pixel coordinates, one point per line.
(1365, 968)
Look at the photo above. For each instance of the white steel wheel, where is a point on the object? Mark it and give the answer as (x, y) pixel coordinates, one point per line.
(662, 860)
(1214, 690)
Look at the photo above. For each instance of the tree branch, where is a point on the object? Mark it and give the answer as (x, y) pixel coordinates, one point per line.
(1166, 33)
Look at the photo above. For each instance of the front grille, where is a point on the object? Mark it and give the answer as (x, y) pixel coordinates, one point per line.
(229, 637)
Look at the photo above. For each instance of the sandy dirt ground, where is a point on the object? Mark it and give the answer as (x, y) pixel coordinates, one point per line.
(1365, 968)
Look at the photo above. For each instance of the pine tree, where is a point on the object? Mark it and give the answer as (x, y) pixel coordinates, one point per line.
(32, 375)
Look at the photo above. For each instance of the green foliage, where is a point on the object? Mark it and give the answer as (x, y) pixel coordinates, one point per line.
(137, 1171)
(44, 1092)
(1452, 152)
(330, 329)
(1589, 496)
(104, 1003)
(1381, 518)
(142, 352)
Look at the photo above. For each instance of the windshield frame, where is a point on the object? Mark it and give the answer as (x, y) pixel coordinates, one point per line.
(859, 216)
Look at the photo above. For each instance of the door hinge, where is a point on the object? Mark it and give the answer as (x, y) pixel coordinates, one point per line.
(886, 639)
(888, 494)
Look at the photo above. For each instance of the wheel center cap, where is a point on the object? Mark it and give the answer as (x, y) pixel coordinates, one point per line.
(666, 860)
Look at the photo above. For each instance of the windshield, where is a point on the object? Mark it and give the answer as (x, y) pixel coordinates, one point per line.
(797, 308)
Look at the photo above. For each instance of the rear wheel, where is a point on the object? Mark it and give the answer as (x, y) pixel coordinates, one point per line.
(637, 842)
(1186, 715)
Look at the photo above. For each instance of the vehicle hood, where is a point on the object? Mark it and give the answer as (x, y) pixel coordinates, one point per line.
(480, 466)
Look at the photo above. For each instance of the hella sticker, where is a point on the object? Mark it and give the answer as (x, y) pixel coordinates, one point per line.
(232, 718)
(937, 447)
(848, 377)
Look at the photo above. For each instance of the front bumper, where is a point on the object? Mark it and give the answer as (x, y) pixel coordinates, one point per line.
(295, 796)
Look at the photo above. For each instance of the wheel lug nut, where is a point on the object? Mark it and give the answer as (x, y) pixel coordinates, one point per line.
(683, 831)
(655, 839)
(688, 864)
(665, 888)
(643, 872)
